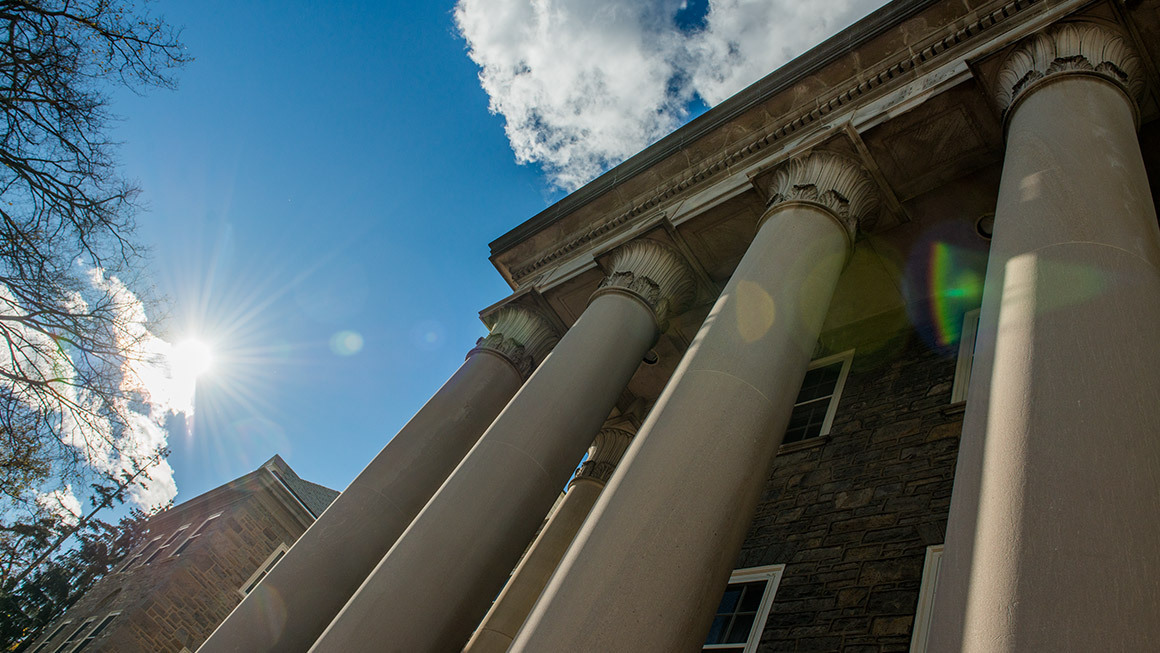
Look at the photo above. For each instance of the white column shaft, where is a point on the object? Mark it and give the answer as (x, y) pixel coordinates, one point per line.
(648, 567)
(1053, 542)
(431, 590)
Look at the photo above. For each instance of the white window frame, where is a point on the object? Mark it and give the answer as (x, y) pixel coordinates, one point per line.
(926, 593)
(75, 636)
(96, 631)
(263, 569)
(196, 534)
(966, 356)
(772, 575)
(48, 640)
(166, 544)
(141, 552)
(846, 357)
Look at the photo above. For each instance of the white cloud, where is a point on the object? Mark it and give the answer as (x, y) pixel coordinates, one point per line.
(584, 84)
(63, 503)
(151, 390)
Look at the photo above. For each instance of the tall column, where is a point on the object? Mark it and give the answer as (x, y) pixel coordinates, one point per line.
(650, 564)
(431, 590)
(1053, 541)
(508, 612)
(306, 589)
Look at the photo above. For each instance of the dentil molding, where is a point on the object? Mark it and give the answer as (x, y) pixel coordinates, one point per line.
(1070, 48)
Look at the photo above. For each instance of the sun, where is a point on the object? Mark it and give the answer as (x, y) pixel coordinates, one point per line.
(191, 358)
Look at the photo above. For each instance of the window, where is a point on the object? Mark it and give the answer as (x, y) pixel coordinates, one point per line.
(817, 401)
(966, 356)
(744, 607)
(196, 534)
(51, 637)
(926, 593)
(165, 545)
(141, 553)
(76, 634)
(95, 632)
(264, 569)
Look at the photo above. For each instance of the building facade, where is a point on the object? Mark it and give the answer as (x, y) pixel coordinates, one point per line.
(198, 561)
(863, 359)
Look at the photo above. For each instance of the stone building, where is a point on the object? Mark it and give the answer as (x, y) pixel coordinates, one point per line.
(886, 317)
(198, 560)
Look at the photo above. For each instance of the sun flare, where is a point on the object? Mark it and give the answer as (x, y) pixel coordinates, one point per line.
(191, 358)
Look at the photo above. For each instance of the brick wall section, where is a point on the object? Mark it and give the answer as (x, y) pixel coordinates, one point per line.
(176, 602)
(851, 518)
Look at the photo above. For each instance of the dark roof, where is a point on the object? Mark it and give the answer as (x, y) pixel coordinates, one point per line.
(758, 92)
(312, 495)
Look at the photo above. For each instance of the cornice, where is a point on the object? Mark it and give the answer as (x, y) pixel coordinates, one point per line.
(870, 81)
(605, 454)
(654, 273)
(840, 185)
(1069, 48)
(521, 335)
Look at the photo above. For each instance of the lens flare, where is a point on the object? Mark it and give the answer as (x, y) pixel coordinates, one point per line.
(191, 358)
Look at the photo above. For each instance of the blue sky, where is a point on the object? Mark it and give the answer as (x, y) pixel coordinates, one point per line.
(328, 171)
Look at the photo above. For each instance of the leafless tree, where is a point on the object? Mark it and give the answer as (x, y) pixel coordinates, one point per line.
(71, 332)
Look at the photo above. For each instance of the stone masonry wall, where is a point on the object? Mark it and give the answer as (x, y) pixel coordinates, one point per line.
(851, 516)
(177, 602)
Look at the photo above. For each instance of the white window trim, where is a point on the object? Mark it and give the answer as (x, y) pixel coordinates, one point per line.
(846, 357)
(926, 593)
(48, 640)
(194, 535)
(966, 356)
(73, 637)
(141, 552)
(770, 573)
(93, 633)
(262, 568)
(156, 555)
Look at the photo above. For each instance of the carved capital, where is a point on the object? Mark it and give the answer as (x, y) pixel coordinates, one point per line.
(604, 454)
(654, 273)
(521, 335)
(833, 181)
(1069, 48)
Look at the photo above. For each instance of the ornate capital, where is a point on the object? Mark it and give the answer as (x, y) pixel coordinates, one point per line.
(839, 184)
(604, 454)
(1065, 48)
(521, 335)
(654, 273)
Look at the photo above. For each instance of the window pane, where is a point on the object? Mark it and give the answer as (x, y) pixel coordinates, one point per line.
(820, 382)
(751, 600)
(806, 421)
(739, 632)
(717, 632)
(729, 600)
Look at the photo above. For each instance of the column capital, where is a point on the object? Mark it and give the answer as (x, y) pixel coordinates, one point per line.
(1069, 48)
(521, 335)
(836, 183)
(652, 272)
(606, 451)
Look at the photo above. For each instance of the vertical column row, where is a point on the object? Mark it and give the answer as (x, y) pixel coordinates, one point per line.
(431, 590)
(648, 567)
(512, 606)
(341, 548)
(1052, 542)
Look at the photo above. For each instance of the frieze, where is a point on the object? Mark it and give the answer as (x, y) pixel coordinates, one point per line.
(869, 82)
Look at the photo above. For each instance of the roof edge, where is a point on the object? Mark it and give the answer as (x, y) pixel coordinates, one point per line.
(805, 64)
